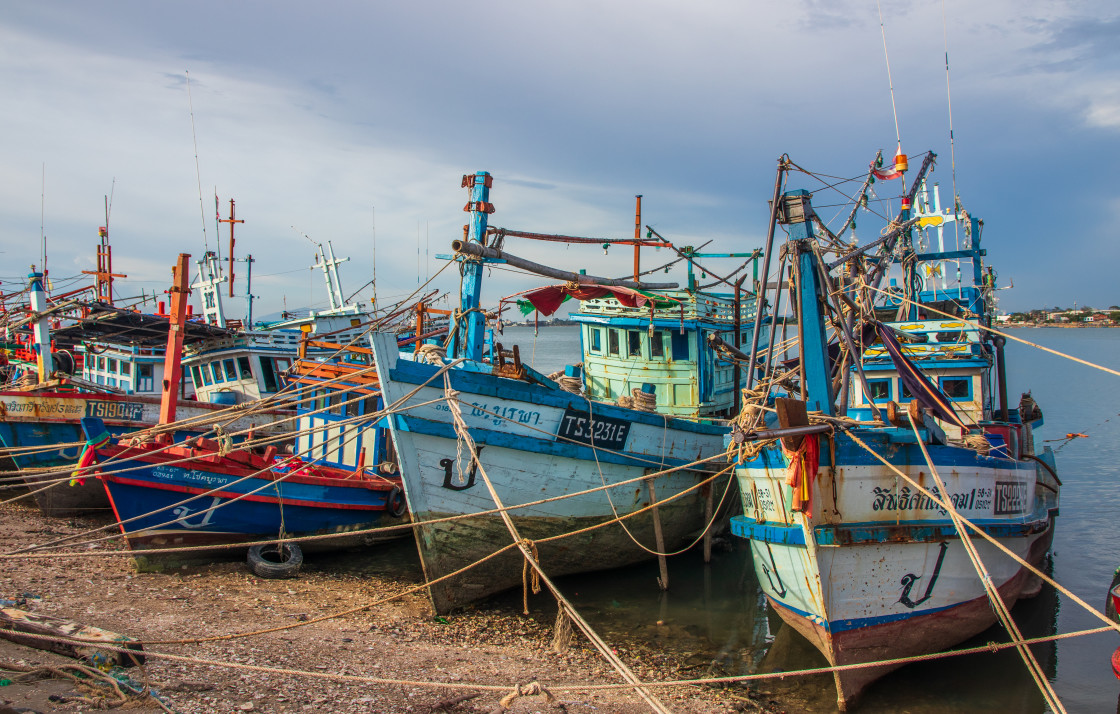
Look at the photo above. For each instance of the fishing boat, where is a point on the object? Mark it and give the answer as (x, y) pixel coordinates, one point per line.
(894, 438)
(40, 424)
(252, 361)
(202, 492)
(196, 493)
(578, 471)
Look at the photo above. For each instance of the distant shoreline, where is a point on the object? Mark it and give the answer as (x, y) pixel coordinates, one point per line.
(1063, 325)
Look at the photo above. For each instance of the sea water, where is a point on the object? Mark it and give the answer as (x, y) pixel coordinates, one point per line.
(714, 617)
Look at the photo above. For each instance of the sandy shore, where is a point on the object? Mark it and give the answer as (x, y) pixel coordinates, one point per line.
(398, 640)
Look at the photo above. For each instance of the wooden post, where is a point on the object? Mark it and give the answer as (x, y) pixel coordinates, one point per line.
(709, 507)
(172, 363)
(737, 377)
(658, 537)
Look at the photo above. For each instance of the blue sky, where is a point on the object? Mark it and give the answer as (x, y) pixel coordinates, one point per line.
(319, 117)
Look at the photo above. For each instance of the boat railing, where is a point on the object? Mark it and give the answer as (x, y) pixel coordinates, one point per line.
(692, 307)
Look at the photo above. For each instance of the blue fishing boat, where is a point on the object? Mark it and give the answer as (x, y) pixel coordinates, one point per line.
(197, 494)
(578, 471)
(897, 431)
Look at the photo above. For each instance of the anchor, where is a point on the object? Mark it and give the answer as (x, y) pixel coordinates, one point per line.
(448, 463)
(780, 589)
(909, 579)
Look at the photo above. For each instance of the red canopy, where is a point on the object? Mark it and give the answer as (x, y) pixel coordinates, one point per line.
(547, 300)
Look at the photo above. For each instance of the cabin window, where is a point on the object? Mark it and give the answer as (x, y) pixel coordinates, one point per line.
(596, 339)
(282, 363)
(101, 379)
(633, 343)
(880, 390)
(334, 399)
(612, 342)
(112, 365)
(680, 345)
(246, 370)
(195, 375)
(216, 368)
(369, 405)
(147, 383)
(904, 390)
(206, 375)
(657, 345)
(126, 368)
(101, 364)
(268, 374)
(231, 370)
(956, 387)
(111, 382)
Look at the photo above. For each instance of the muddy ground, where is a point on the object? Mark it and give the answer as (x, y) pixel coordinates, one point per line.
(491, 644)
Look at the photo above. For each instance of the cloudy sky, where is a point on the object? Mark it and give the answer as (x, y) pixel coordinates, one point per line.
(354, 122)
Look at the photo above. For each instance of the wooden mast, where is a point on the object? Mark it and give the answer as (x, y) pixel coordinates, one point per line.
(172, 363)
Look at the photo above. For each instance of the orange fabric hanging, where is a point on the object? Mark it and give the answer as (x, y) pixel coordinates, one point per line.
(803, 467)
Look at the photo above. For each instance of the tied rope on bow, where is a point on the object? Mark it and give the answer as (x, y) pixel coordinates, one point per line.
(803, 465)
(530, 578)
(89, 456)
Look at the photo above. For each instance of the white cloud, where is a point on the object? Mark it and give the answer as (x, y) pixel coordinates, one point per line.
(312, 118)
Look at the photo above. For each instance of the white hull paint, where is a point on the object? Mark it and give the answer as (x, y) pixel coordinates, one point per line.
(878, 571)
(525, 461)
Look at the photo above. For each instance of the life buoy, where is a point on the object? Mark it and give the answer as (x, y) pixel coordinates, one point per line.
(395, 503)
(275, 560)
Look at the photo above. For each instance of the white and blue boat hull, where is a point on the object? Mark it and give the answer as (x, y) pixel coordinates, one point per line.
(878, 572)
(533, 446)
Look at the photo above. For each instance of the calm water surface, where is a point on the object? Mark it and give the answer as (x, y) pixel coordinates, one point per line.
(716, 616)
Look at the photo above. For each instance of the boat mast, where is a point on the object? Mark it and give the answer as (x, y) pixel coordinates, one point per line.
(40, 326)
(326, 260)
(104, 274)
(209, 278)
(470, 329)
(797, 213)
(231, 221)
(172, 361)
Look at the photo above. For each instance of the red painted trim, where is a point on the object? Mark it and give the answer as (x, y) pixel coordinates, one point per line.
(235, 495)
(211, 462)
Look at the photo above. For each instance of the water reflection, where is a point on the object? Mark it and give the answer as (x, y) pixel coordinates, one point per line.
(715, 619)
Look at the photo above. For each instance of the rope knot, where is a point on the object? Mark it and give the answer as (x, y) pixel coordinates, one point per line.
(225, 441)
(532, 689)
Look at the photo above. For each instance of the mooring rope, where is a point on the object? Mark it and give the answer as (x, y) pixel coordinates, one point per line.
(527, 554)
(997, 602)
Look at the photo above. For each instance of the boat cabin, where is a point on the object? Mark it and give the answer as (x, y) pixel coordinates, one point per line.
(339, 424)
(627, 348)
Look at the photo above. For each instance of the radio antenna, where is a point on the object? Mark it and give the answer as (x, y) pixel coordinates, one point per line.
(197, 173)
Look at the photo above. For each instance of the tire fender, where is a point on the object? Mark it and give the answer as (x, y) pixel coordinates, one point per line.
(275, 560)
(394, 502)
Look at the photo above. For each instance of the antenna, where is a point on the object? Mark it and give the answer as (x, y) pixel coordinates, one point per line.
(103, 276)
(42, 221)
(197, 173)
(890, 82)
(952, 144)
(373, 216)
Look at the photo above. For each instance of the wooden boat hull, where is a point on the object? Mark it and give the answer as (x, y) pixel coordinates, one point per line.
(515, 427)
(42, 421)
(163, 505)
(891, 578)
